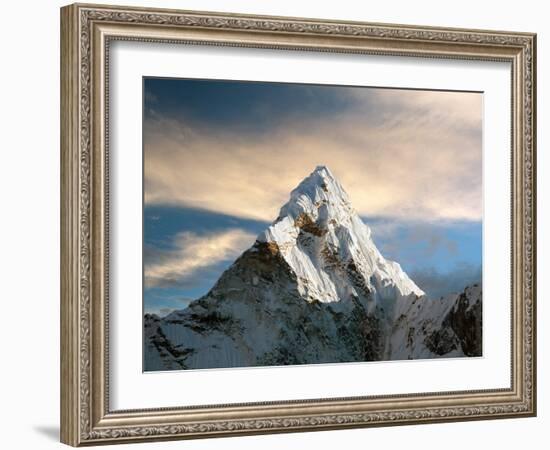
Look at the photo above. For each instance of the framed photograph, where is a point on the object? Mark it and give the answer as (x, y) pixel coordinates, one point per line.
(276, 225)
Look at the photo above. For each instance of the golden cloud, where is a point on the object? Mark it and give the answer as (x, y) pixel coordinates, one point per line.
(407, 154)
(192, 252)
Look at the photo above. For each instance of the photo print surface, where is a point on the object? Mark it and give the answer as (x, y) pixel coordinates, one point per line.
(291, 224)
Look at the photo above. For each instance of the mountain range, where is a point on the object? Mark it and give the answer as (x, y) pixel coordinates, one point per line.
(313, 288)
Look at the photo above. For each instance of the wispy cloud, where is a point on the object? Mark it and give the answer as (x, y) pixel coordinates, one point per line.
(437, 284)
(395, 237)
(192, 252)
(440, 257)
(400, 154)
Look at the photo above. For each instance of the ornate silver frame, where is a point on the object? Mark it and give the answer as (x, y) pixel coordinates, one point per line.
(86, 31)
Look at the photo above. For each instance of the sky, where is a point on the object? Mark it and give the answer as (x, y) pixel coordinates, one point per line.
(221, 157)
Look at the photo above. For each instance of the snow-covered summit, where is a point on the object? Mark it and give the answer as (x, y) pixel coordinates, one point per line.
(319, 194)
(329, 247)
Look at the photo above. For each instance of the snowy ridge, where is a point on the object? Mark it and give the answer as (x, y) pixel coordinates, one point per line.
(449, 326)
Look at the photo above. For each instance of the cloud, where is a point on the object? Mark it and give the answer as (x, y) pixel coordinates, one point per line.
(410, 241)
(400, 154)
(190, 253)
(458, 109)
(431, 241)
(441, 258)
(437, 284)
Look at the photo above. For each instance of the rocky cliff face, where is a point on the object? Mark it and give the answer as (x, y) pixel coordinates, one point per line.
(313, 289)
(446, 327)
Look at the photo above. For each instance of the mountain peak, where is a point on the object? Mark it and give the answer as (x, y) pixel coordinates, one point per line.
(321, 177)
(319, 193)
(321, 237)
(323, 171)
